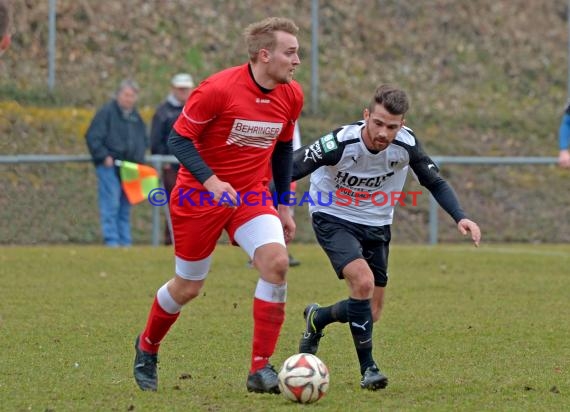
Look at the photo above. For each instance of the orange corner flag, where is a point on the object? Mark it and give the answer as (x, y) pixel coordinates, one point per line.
(137, 180)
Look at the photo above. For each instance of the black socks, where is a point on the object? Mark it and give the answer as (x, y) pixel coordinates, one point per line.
(360, 318)
(329, 314)
(359, 314)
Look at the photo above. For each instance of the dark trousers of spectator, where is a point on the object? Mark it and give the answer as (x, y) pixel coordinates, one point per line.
(169, 180)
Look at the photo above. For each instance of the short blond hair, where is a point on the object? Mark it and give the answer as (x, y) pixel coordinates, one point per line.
(261, 35)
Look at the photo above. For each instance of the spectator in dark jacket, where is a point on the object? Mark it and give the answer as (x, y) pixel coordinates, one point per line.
(117, 132)
(166, 114)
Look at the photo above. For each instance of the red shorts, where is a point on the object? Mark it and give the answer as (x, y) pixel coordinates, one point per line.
(197, 222)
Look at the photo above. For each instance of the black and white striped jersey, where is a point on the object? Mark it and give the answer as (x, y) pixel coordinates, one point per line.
(353, 183)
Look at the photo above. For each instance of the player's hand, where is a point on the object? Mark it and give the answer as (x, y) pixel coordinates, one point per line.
(564, 159)
(219, 188)
(289, 226)
(465, 225)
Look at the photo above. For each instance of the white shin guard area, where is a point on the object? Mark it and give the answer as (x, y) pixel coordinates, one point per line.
(270, 292)
(166, 302)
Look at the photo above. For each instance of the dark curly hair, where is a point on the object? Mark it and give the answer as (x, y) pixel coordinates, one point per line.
(392, 98)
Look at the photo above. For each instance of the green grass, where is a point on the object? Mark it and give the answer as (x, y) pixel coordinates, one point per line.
(464, 329)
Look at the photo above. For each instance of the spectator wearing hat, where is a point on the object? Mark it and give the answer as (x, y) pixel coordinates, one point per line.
(166, 114)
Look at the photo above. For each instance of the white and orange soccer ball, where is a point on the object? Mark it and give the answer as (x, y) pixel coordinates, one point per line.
(304, 378)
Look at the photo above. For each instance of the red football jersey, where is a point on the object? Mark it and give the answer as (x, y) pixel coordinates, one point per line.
(235, 125)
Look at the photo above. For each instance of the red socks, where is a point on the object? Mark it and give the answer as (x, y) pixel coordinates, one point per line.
(157, 326)
(268, 317)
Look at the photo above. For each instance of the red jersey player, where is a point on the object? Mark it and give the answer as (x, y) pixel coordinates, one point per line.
(232, 125)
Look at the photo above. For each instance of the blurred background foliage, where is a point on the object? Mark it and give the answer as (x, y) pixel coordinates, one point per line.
(485, 77)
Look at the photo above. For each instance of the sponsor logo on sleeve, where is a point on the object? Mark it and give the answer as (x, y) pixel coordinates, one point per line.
(328, 143)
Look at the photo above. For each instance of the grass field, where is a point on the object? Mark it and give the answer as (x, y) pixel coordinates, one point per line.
(464, 329)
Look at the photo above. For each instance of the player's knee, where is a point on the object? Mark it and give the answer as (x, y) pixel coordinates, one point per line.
(363, 288)
(280, 265)
(188, 295)
(272, 263)
(185, 292)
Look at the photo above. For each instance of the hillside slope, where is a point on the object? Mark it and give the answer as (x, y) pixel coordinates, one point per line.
(490, 63)
(486, 77)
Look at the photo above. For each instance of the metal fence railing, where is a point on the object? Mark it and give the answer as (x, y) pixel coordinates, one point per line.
(477, 160)
(157, 160)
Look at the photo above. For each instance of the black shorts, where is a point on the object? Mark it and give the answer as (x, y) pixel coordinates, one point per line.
(344, 242)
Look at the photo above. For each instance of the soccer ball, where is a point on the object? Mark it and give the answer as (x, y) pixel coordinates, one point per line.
(304, 378)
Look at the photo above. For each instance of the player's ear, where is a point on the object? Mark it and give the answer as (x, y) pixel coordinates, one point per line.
(365, 114)
(264, 55)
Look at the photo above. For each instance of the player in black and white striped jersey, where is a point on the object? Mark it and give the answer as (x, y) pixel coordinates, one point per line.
(357, 175)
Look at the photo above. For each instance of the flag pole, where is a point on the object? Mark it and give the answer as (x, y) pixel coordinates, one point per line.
(168, 221)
